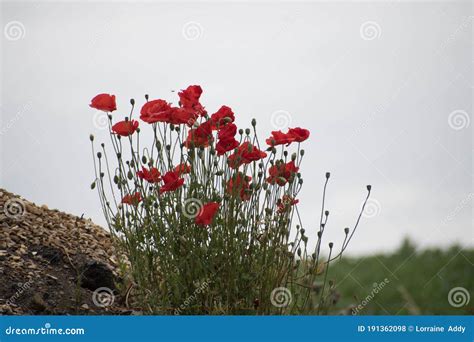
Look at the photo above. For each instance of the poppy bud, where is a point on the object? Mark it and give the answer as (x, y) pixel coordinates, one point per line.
(302, 152)
(216, 163)
(93, 186)
(168, 147)
(326, 212)
(274, 150)
(300, 181)
(99, 155)
(132, 102)
(260, 174)
(102, 145)
(144, 160)
(241, 131)
(346, 230)
(116, 179)
(158, 145)
(320, 233)
(254, 122)
(91, 137)
(172, 127)
(285, 153)
(328, 174)
(299, 252)
(369, 187)
(109, 116)
(177, 129)
(302, 231)
(119, 155)
(146, 97)
(130, 175)
(293, 156)
(260, 165)
(119, 137)
(247, 131)
(305, 239)
(102, 175)
(331, 245)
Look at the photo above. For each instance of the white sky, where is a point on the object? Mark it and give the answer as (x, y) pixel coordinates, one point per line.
(378, 106)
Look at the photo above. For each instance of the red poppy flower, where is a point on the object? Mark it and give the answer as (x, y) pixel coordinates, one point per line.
(298, 134)
(104, 102)
(151, 176)
(125, 128)
(189, 99)
(182, 169)
(285, 203)
(171, 181)
(227, 132)
(182, 116)
(200, 136)
(279, 138)
(245, 154)
(207, 213)
(227, 145)
(223, 116)
(281, 173)
(238, 184)
(156, 111)
(132, 199)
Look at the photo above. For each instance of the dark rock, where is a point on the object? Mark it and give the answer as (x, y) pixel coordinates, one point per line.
(95, 274)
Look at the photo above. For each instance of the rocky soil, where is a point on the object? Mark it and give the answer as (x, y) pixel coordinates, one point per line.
(55, 263)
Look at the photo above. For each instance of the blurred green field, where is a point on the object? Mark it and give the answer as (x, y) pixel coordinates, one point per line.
(417, 282)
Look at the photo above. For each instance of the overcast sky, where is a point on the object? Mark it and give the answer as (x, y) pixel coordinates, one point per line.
(385, 89)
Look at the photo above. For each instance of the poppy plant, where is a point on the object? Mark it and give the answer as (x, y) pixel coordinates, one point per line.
(187, 171)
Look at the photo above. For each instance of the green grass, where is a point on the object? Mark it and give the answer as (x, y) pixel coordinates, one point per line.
(418, 281)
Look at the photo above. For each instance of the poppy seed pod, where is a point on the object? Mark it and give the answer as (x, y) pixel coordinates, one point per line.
(328, 174)
(293, 156)
(254, 122)
(102, 145)
(93, 186)
(369, 187)
(99, 155)
(302, 153)
(331, 245)
(132, 102)
(285, 153)
(241, 131)
(326, 212)
(346, 230)
(247, 131)
(91, 137)
(146, 97)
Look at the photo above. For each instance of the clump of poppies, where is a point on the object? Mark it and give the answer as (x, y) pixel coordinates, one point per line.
(193, 198)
